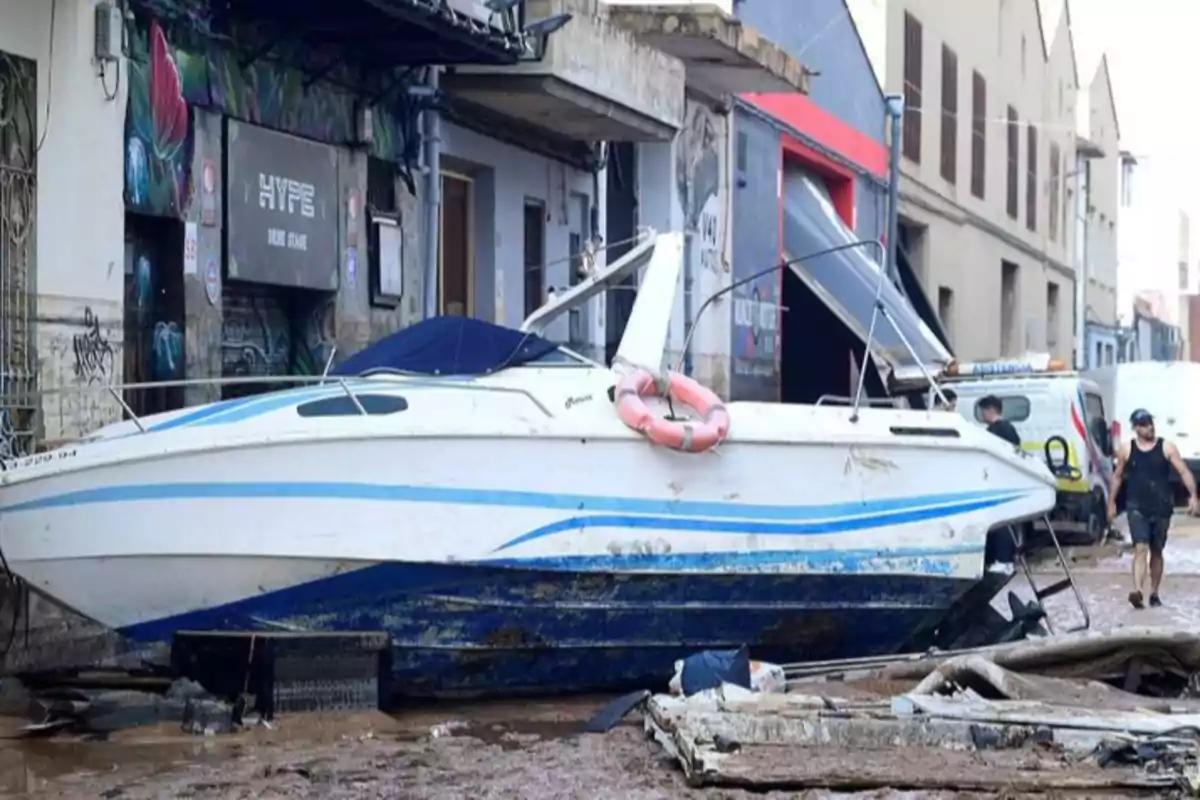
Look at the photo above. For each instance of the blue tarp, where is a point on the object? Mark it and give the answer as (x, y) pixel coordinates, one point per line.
(448, 346)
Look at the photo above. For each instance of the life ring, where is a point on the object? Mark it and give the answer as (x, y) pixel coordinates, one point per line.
(688, 437)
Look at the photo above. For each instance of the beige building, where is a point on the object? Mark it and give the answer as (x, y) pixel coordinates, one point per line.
(1100, 137)
(989, 152)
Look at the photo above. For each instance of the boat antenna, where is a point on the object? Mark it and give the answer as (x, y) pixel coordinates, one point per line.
(328, 365)
(687, 340)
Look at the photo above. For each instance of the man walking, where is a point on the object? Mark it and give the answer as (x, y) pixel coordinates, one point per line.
(1144, 467)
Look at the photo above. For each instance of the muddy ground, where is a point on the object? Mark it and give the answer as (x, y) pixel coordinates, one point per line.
(528, 749)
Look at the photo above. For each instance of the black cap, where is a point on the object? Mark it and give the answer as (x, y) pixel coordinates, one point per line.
(1141, 417)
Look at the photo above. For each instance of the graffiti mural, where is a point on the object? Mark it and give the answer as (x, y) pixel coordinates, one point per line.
(269, 330)
(166, 79)
(154, 331)
(276, 97)
(95, 358)
(158, 129)
(698, 156)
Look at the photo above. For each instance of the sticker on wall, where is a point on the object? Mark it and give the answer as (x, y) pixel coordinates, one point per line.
(212, 282)
(208, 193)
(353, 206)
(191, 248)
(351, 266)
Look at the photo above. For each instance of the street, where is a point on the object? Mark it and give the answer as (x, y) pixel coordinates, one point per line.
(528, 749)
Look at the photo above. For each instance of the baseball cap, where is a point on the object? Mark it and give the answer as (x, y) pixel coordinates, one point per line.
(1141, 416)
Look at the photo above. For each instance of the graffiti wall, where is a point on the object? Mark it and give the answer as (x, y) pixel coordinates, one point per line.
(154, 322)
(158, 129)
(701, 183)
(267, 331)
(165, 79)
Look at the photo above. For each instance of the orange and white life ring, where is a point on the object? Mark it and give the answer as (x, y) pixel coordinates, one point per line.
(688, 437)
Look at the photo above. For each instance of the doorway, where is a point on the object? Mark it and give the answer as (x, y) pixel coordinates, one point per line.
(456, 262)
(621, 215)
(154, 312)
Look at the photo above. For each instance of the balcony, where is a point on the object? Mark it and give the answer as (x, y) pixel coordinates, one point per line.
(593, 82)
(402, 32)
(721, 55)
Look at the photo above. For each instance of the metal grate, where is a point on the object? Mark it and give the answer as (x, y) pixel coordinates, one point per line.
(18, 193)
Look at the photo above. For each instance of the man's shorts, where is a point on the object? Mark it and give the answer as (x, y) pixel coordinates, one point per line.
(1151, 531)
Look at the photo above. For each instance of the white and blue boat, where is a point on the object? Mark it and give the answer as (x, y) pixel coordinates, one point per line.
(491, 513)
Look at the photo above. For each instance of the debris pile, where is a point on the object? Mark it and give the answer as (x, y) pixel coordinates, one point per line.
(100, 702)
(1085, 713)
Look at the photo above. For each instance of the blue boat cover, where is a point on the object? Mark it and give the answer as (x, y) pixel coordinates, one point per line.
(448, 346)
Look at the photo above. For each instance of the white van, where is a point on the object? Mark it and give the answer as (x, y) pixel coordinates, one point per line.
(1054, 410)
(1169, 390)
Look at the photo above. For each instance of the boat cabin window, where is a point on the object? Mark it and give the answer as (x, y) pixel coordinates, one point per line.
(1015, 408)
(343, 406)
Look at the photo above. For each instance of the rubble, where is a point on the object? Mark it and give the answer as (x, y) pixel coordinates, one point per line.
(1051, 715)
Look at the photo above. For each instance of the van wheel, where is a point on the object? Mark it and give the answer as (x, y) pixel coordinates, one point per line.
(1097, 521)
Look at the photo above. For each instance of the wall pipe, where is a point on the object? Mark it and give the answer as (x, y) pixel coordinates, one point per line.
(895, 113)
(433, 199)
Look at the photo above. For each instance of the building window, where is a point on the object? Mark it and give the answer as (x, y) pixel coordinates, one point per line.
(946, 310)
(949, 115)
(385, 242)
(1067, 196)
(1008, 308)
(1014, 144)
(912, 88)
(1031, 177)
(535, 256)
(978, 135)
(1054, 191)
(1051, 316)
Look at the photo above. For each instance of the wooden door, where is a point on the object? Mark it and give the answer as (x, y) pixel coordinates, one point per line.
(456, 273)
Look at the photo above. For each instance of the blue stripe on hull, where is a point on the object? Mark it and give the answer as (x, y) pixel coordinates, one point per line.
(476, 629)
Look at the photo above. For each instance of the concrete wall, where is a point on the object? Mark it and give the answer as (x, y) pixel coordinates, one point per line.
(80, 250)
(1104, 199)
(965, 239)
(686, 186)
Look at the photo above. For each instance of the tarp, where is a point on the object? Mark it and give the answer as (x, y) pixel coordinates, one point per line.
(846, 280)
(448, 346)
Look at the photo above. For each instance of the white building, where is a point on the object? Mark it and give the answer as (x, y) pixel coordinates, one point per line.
(989, 148)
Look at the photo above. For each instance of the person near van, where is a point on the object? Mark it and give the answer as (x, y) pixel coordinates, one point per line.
(1001, 545)
(951, 401)
(1144, 467)
(992, 412)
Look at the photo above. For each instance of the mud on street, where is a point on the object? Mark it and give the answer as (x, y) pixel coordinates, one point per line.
(526, 749)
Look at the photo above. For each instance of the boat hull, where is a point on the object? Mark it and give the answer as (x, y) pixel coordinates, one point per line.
(470, 630)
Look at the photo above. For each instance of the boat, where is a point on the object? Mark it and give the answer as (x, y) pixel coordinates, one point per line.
(470, 490)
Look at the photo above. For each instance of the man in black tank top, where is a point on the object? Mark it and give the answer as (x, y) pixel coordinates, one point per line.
(1144, 467)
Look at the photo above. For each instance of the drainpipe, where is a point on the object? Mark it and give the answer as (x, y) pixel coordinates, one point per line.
(895, 112)
(433, 198)
(1081, 271)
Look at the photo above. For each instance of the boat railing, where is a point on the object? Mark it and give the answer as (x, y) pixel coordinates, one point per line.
(351, 386)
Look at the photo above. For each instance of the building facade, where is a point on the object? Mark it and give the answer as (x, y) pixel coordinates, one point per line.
(990, 92)
(831, 140)
(269, 206)
(1099, 164)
